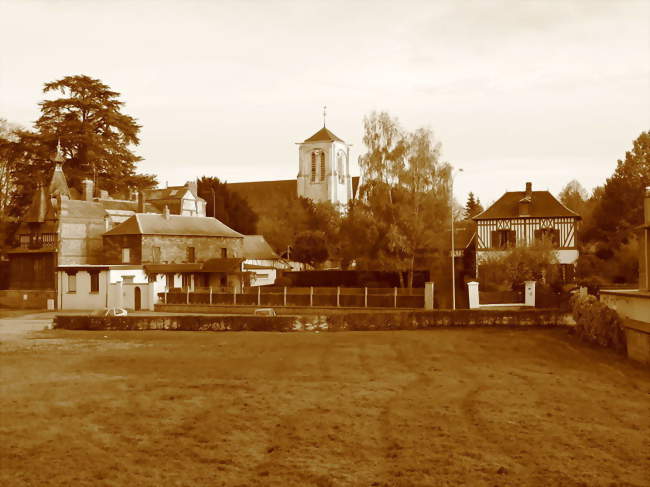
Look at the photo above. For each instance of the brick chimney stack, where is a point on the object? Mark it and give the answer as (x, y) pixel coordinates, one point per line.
(88, 187)
(526, 201)
(529, 190)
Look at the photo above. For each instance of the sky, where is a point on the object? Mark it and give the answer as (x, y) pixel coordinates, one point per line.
(515, 91)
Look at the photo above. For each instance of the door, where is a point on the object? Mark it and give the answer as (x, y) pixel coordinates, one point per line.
(138, 299)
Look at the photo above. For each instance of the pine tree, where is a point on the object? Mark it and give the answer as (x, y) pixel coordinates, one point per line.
(473, 206)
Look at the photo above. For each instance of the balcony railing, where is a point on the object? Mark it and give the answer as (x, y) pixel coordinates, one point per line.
(37, 240)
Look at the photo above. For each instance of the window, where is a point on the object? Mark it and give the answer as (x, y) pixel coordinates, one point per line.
(72, 283)
(322, 166)
(503, 239)
(155, 255)
(186, 279)
(224, 253)
(224, 280)
(548, 235)
(339, 168)
(313, 167)
(191, 254)
(94, 281)
(126, 256)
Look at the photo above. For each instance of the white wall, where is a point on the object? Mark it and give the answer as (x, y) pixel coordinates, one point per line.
(82, 298)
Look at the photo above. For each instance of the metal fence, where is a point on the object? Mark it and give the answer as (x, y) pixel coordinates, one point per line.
(343, 297)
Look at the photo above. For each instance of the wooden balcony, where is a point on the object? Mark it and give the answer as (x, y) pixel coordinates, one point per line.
(34, 241)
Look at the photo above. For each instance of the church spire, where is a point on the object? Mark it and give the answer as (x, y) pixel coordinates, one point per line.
(59, 155)
(58, 183)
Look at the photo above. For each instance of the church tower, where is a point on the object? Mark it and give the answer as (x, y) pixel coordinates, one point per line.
(324, 168)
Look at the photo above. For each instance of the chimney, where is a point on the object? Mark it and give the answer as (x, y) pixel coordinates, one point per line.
(141, 201)
(166, 212)
(646, 206)
(88, 187)
(526, 201)
(193, 187)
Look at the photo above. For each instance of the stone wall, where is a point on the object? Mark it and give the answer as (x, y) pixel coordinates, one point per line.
(113, 245)
(173, 248)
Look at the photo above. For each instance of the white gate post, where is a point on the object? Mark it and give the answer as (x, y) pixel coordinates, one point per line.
(259, 297)
(365, 297)
(311, 296)
(428, 295)
(285, 295)
(529, 293)
(338, 295)
(210, 294)
(472, 290)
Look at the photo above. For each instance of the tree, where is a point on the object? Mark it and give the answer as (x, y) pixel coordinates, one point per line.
(574, 196)
(226, 206)
(8, 156)
(510, 269)
(95, 136)
(310, 247)
(404, 200)
(473, 207)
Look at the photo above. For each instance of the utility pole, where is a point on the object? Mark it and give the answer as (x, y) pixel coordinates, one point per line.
(453, 246)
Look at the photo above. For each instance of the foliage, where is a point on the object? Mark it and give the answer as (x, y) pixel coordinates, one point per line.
(473, 207)
(511, 268)
(8, 157)
(403, 202)
(226, 206)
(310, 247)
(598, 323)
(95, 137)
(608, 239)
(574, 196)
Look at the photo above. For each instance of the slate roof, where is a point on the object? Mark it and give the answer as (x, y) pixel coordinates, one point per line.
(257, 248)
(58, 183)
(81, 209)
(543, 205)
(170, 193)
(38, 209)
(150, 224)
(323, 135)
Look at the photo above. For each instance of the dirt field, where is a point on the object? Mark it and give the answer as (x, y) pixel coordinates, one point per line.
(445, 407)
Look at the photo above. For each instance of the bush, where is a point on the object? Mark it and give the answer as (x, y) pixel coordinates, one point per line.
(598, 323)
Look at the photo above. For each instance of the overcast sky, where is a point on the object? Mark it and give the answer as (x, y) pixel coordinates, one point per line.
(516, 91)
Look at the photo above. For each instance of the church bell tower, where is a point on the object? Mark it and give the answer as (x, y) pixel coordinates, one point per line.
(324, 168)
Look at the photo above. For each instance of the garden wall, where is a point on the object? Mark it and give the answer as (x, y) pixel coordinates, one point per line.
(405, 320)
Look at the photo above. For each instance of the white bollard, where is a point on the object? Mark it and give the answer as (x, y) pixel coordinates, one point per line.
(472, 289)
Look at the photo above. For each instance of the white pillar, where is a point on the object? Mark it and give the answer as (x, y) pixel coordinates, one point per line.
(472, 289)
(151, 295)
(428, 295)
(529, 294)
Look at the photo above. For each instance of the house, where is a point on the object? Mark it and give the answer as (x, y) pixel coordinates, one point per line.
(63, 228)
(521, 218)
(261, 261)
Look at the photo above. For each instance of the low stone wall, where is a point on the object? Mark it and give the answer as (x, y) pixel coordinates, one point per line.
(26, 299)
(332, 322)
(637, 335)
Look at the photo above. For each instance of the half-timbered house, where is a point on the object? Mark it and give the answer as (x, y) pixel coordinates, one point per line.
(521, 218)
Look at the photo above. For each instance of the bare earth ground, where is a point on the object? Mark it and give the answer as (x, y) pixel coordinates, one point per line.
(444, 407)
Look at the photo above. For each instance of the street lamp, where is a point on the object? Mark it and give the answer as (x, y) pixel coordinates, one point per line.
(453, 246)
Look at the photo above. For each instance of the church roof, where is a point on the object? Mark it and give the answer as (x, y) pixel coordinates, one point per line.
(323, 135)
(151, 224)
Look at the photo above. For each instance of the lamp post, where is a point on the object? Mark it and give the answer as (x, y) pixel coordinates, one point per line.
(453, 246)
(214, 205)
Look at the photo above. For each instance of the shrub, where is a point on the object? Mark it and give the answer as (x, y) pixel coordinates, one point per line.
(597, 322)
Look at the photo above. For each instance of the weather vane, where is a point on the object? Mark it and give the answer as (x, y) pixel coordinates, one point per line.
(324, 114)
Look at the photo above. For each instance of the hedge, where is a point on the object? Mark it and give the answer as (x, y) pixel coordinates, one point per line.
(598, 323)
(332, 322)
